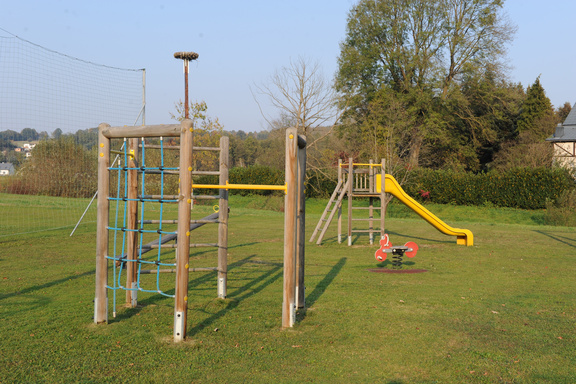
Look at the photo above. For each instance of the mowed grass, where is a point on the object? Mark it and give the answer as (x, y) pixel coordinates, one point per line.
(503, 310)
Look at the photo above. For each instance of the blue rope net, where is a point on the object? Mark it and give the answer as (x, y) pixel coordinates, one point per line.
(146, 261)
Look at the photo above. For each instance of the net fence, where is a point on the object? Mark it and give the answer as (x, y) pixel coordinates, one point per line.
(50, 107)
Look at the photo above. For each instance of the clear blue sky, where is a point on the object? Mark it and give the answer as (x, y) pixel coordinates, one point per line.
(243, 42)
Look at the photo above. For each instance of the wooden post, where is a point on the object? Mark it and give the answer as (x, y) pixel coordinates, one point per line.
(382, 198)
(350, 189)
(290, 222)
(340, 178)
(371, 202)
(300, 263)
(101, 297)
(131, 236)
(223, 221)
(183, 246)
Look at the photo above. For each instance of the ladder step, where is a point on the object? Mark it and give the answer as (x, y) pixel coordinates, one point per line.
(372, 219)
(364, 230)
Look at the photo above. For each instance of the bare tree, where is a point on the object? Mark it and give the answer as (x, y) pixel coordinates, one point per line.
(303, 98)
(301, 95)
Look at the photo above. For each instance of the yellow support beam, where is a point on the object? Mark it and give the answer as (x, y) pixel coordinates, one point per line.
(241, 186)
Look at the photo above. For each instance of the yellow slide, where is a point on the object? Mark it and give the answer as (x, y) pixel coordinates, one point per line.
(463, 236)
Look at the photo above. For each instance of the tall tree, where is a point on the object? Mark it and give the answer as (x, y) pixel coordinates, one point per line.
(537, 115)
(419, 50)
(301, 96)
(536, 122)
(563, 111)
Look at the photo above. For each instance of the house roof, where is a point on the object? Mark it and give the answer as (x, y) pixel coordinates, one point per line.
(571, 118)
(6, 166)
(566, 132)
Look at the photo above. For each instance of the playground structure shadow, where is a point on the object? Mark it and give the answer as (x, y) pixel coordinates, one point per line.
(357, 239)
(34, 301)
(321, 287)
(571, 242)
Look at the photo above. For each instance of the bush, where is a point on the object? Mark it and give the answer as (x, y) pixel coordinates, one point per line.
(562, 211)
(526, 188)
(57, 168)
(254, 175)
(317, 185)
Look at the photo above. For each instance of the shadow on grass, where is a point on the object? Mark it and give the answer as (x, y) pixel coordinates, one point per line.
(234, 297)
(321, 287)
(357, 239)
(45, 285)
(242, 293)
(561, 239)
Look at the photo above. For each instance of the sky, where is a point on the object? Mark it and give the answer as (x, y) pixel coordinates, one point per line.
(242, 43)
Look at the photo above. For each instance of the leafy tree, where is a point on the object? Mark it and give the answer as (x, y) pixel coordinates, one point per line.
(29, 134)
(207, 133)
(57, 133)
(563, 111)
(419, 50)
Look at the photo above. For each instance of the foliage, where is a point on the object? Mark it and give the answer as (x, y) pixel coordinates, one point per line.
(207, 133)
(536, 121)
(562, 211)
(57, 168)
(416, 57)
(563, 111)
(537, 115)
(525, 188)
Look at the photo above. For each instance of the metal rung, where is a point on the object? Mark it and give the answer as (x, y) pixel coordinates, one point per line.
(157, 172)
(205, 197)
(200, 245)
(206, 148)
(365, 207)
(203, 221)
(156, 246)
(370, 219)
(216, 173)
(154, 271)
(365, 230)
(159, 197)
(157, 221)
(156, 146)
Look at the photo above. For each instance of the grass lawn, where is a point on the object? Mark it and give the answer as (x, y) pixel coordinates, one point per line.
(502, 311)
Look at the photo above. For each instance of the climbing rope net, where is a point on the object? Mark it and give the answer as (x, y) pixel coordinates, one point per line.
(156, 224)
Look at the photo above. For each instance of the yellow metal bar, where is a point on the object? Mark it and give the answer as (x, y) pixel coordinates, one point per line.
(241, 186)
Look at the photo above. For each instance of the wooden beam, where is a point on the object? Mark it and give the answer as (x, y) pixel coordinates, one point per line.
(223, 220)
(290, 223)
(183, 250)
(101, 296)
(301, 235)
(169, 130)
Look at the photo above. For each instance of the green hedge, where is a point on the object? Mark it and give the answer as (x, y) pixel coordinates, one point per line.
(526, 188)
(255, 175)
